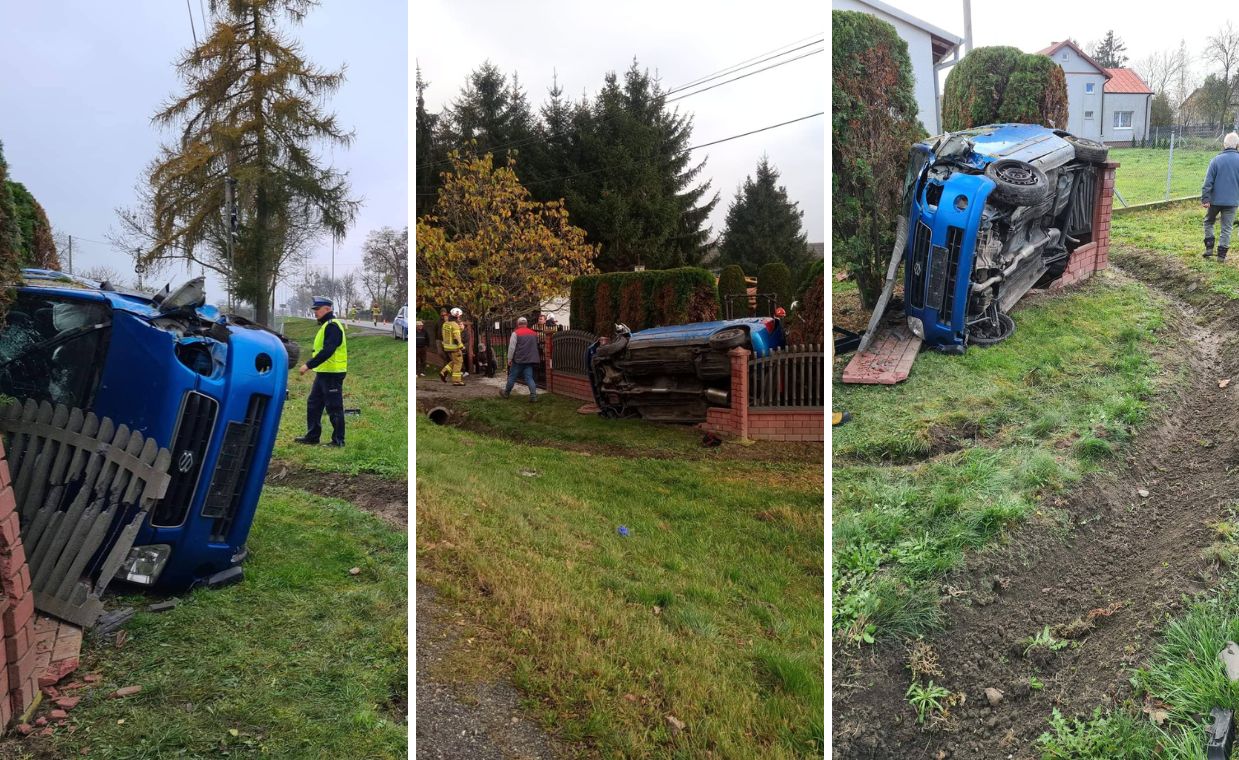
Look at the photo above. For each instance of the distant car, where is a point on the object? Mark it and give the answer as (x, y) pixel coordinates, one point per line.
(991, 211)
(674, 373)
(400, 325)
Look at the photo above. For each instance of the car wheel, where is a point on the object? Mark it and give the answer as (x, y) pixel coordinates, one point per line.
(1088, 150)
(1017, 182)
(729, 338)
(989, 334)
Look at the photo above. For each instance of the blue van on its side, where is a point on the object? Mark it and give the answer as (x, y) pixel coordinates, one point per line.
(990, 212)
(208, 388)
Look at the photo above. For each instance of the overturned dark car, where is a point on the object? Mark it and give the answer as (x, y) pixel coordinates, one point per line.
(674, 373)
(991, 212)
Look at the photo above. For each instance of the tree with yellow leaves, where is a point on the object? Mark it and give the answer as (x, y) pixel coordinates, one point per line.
(491, 249)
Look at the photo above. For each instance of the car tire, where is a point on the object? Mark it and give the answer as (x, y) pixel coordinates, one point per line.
(729, 337)
(1006, 328)
(1088, 150)
(1017, 182)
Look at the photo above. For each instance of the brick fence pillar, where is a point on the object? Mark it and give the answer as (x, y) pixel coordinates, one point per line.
(18, 677)
(740, 391)
(1101, 212)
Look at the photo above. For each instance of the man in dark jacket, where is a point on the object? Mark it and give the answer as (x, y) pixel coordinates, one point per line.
(1220, 194)
(522, 358)
(330, 362)
(422, 336)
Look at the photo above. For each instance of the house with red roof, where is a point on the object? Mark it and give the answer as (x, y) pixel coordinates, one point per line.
(1106, 104)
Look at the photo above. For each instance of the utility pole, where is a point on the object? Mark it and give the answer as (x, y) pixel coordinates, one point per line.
(139, 268)
(230, 200)
(967, 27)
(70, 254)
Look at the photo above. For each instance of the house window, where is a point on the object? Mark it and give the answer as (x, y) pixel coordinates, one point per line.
(1122, 119)
(1089, 88)
(1088, 114)
(1064, 56)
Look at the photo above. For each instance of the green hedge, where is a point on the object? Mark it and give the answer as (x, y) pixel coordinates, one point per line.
(642, 299)
(775, 278)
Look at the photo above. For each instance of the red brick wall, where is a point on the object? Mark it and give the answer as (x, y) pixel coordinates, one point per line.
(787, 424)
(571, 386)
(1094, 256)
(18, 677)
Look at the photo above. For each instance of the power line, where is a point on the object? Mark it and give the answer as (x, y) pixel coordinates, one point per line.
(742, 76)
(742, 64)
(733, 69)
(700, 80)
(191, 23)
(685, 150)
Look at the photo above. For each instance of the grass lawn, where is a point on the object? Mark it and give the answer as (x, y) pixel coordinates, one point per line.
(939, 464)
(377, 383)
(710, 610)
(301, 659)
(1176, 230)
(1141, 177)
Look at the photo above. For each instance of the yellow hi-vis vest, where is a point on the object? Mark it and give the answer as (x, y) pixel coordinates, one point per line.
(451, 336)
(338, 361)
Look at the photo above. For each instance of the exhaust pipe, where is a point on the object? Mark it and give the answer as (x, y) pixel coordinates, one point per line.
(717, 396)
(439, 415)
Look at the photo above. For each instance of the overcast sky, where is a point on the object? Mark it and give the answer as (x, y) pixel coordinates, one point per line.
(680, 42)
(1144, 29)
(82, 80)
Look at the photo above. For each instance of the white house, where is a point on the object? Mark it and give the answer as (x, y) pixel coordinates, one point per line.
(1127, 103)
(1108, 105)
(930, 49)
(1086, 82)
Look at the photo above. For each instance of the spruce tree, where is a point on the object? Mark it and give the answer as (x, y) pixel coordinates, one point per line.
(252, 111)
(635, 186)
(36, 248)
(10, 238)
(762, 224)
(1109, 52)
(427, 171)
(490, 115)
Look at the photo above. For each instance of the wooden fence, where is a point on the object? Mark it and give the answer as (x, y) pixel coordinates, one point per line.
(788, 378)
(83, 488)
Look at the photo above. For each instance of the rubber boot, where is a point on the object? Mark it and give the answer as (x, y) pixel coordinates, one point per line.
(1208, 249)
(1221, 253)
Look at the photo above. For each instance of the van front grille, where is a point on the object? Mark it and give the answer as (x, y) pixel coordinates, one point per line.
(189, 447)
(236, 458)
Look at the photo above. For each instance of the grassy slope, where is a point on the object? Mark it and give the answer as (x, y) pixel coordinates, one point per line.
(1141, 177)
(711, 610)
(377, 382)
(938, 465)
(301, 659)
(1176, 230)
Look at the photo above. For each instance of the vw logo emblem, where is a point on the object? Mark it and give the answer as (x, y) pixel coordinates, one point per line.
(185, 461)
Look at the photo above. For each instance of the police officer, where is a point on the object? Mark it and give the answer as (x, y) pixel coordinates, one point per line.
(330, 363)
(453, 345)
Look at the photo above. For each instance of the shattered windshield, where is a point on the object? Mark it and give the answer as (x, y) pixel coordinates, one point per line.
(53, 348)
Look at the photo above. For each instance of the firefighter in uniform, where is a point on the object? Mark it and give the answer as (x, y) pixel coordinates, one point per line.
(454, 346)
(330, 363)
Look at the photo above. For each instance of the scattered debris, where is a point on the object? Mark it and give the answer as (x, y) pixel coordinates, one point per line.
(164, 606)
(354, 571)
(125, 691)
(674, 725)
(529, 473)
(24, 729)
(111, 621)
(1230, 658)
(1223, 382)
(1144, 492)
(121, 637)
(994, 696)
(58, 714)
(68, 703)
(92, 678)
(622, 530)
(631, 698)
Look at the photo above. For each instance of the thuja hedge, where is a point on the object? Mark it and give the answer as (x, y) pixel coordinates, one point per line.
(642, 299)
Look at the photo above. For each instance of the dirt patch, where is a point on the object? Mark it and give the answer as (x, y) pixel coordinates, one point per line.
(387, 499)
(846, 311)
(469, 718)
(1101, 568)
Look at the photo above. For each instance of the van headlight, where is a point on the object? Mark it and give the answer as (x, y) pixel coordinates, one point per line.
(917, 327)
(145, 563)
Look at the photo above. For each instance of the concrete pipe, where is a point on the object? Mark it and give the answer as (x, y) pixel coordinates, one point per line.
(439, 415)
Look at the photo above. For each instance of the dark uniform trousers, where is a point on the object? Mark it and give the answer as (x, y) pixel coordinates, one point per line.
(328, 392)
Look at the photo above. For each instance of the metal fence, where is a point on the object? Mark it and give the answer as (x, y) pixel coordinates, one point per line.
(788, 378)
(568, 349)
